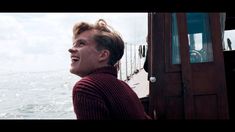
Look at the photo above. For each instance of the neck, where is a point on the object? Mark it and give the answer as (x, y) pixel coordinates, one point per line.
(102, 65)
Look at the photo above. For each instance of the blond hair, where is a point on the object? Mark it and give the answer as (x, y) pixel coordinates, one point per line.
(106, 38)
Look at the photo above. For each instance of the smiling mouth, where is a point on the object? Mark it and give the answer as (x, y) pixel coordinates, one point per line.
(75, 59)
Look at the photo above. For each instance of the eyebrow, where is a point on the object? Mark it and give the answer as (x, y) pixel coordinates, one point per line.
(79, 40)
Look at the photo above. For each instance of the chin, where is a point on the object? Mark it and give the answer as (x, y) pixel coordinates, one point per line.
(75, 72)
(72, 71)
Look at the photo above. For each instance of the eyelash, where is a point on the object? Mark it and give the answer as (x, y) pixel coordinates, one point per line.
(79, 44)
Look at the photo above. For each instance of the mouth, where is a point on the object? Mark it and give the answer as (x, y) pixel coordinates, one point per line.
(75, 59)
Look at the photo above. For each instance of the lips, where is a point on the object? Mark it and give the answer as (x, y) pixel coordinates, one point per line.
(75, 58)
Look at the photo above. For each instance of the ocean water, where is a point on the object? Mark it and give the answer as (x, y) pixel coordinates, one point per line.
(48, 94)
(38, 95)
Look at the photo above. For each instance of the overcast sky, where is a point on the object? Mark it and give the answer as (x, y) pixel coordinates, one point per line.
(33, 42)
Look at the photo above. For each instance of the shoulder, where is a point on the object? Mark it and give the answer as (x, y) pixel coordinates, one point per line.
(87, 86)
(86, 82)
(90, 82)
(96, 82)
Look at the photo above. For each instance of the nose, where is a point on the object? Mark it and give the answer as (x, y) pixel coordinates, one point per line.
(71, 50)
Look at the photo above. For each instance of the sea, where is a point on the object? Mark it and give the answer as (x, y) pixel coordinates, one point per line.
(37, 95)
(48, 94)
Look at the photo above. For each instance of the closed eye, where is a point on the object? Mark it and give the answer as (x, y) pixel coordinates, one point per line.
(79, 43)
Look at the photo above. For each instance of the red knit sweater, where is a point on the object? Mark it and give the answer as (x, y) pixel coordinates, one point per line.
(100, 95)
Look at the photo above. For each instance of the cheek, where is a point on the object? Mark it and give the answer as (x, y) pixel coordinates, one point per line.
(92, 54)
(88, 58)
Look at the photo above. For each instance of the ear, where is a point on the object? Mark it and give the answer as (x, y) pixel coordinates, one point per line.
(104, 55)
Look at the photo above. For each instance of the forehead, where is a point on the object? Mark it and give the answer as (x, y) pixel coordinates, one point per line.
(85, 35)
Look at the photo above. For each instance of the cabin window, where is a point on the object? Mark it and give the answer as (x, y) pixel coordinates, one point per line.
(229, 40)
(175, 41)
(199, 38)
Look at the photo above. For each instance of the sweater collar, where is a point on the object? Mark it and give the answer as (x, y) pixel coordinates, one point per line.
(107, 69)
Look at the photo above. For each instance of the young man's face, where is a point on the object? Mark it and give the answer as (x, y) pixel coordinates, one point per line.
(84, 55)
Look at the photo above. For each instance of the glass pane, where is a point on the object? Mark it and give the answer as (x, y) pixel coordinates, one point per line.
(199, 38)
(175, 41)
(229, 40)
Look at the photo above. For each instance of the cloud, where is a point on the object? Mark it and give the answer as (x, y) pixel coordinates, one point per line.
(39, 41)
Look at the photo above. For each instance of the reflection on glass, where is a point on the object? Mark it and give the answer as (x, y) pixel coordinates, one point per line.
(229, 40)
(199, 38)
(175, 41)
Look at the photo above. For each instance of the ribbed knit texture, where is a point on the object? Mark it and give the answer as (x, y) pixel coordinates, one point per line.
(100, 96)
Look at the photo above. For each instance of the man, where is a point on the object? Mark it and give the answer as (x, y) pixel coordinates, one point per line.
(99, 94)
(146, 62)
(229, 44)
